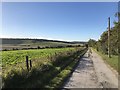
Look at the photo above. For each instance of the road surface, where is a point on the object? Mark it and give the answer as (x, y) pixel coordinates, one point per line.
(92, 72)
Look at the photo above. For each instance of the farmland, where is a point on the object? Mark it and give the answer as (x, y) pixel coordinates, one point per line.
(18, 56)
(49, 66)
(23, 44)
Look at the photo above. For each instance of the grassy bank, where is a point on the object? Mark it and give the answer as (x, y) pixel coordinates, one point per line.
(48, 73)
(60, 78)
(113, 61)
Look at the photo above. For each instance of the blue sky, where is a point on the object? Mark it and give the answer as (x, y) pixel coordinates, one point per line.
(59, 21)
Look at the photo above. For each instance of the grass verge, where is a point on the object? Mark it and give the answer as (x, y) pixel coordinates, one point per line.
(113, 61)
(60, 79)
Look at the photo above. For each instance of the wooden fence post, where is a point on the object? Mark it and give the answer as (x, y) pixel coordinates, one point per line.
(27, 65)
(30, 64)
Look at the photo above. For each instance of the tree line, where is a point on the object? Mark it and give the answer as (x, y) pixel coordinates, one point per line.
(102, 44)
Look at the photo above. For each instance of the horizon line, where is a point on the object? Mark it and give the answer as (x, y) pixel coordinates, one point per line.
(43, 39)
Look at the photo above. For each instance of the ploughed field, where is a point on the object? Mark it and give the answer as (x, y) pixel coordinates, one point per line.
(49, 66)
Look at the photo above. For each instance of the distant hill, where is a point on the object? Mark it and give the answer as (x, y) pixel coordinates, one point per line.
(33, 41)
(19, 43)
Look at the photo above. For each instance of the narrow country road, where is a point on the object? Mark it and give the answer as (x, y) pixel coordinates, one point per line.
(92, 72)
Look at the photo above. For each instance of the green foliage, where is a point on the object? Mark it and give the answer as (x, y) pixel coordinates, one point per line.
(60, 78)
(91, 43)
(102, 44)
(51, 72)
(15, 57)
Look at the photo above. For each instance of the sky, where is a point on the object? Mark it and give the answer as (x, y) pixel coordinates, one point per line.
(66, 21)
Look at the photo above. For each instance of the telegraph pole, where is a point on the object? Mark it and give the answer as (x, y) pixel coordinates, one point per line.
(109, 37)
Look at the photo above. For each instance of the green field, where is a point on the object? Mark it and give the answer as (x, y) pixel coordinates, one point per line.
(14, 57)
(34, 45)
(49, 66)
(17, 58)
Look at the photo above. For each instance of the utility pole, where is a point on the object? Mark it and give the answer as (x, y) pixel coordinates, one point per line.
(109, 37)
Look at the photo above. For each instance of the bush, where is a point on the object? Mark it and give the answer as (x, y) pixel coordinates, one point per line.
(38, 47)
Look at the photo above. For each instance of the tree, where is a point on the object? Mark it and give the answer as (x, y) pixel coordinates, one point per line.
(102, 44)
(92, 43)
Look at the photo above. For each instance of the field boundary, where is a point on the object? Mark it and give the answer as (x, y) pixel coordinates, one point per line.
(62, 82)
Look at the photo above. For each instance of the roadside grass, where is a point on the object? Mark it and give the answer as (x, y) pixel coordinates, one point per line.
(43, 75)
(113, 61)
(59, 80)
